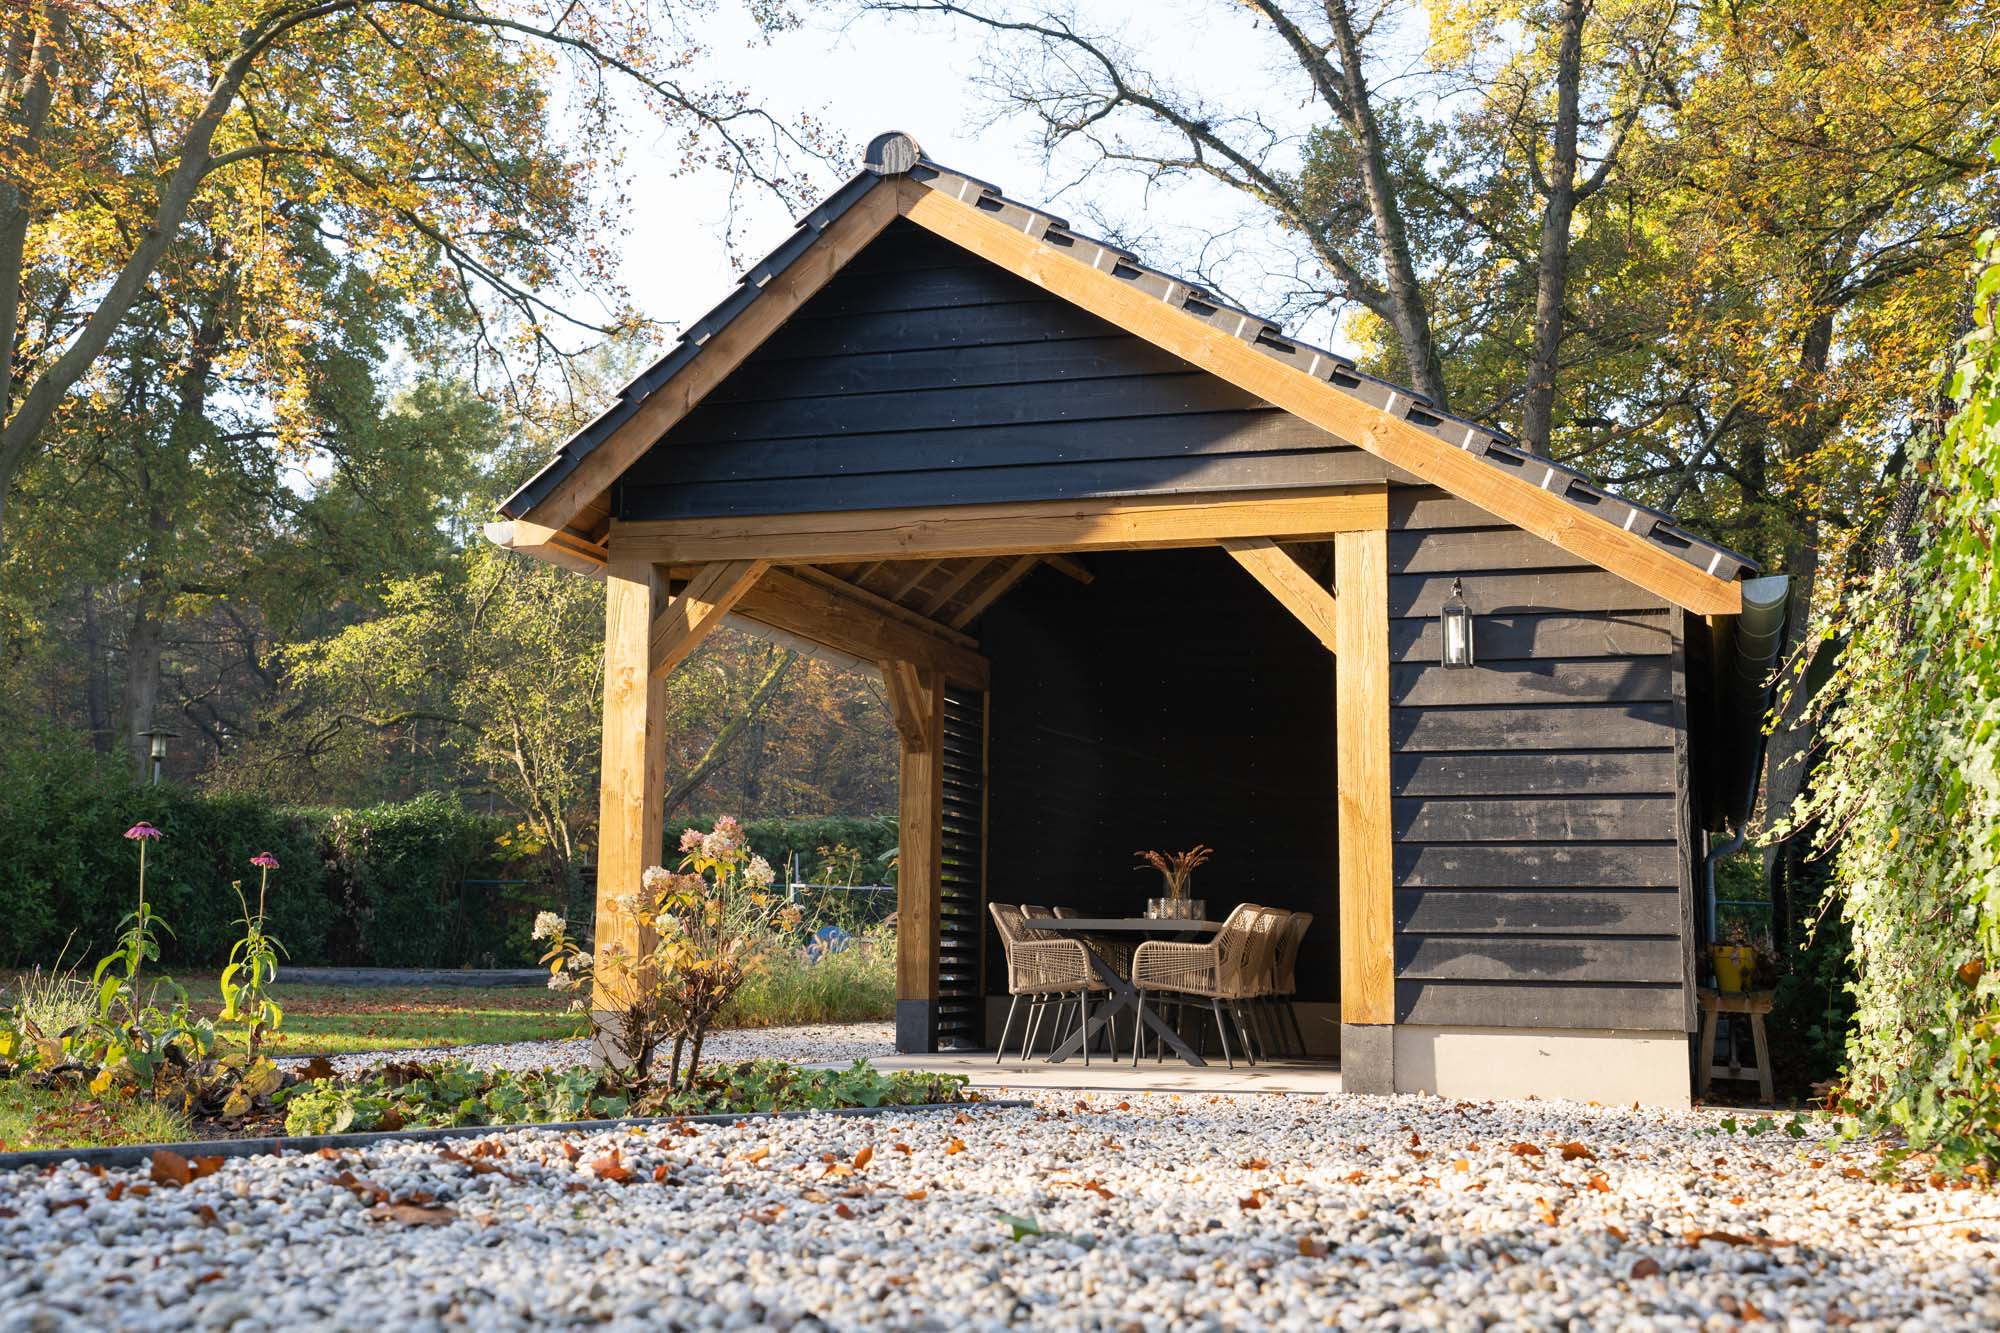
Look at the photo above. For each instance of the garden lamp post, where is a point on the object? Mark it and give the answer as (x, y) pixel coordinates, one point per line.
(157, 745)
(1455, 622)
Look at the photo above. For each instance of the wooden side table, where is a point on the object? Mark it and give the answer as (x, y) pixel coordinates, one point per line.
(1716, 1003)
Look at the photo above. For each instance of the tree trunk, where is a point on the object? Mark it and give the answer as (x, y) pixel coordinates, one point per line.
(1552, 265)
(733, 731)
(142, 680)
(96, 689)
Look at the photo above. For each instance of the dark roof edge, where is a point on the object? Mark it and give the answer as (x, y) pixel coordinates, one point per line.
(897, 154)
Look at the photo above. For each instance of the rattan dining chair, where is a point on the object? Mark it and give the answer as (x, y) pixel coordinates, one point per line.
(1285, 984)
(1047, 973)
(1221, 971)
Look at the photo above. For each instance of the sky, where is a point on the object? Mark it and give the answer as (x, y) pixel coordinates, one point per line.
(921, 77)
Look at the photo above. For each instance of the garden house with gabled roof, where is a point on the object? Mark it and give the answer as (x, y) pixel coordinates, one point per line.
(1139, 570)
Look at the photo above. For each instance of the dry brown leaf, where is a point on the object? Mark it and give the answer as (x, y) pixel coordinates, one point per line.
(206, 1214)
(1355, 1177)
(841, 1210)
(412, 1214)
(1546, 1213)
(757, 1154)
(904, 1148)
(1255, 1201)
(955, 1147)
(612, 1167)
(815, 1196)
(1697, 1236)
(1461, 1165)
(1573, 1151)
(1599, 1182)
(917, 1196)
(571, 1151)
(1646, 1267)
(1312, 1249)
(1524, 1150)
(863, 1158)
(1254, 1164)
(1616, 1232)
(170, 1168)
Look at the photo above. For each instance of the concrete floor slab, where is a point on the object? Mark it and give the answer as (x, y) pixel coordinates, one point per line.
(1311, 1077)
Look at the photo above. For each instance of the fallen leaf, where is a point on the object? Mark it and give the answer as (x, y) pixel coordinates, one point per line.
(757, 1154)
(170, 1168)
(1697, 1236)
(1524, 1150)
(1461, 1165)
(1647, 1267)
(206, 1214)
(1255, 1201)
(212, 1275)
(843, 1211)
(955, 1147)
(904, 1149)
(917, 1196)
(412, 1214)
(612, 1167)
(1254, 1164)
(1312, 1249)
(319, 1067)
(1598, 1181)
(815, 1196)
(1546, 1213)
(1616, 1232)
(1096, 1187)
(863, 1158)
(571, 1151)
(1355, 1177)
(1573, 1151)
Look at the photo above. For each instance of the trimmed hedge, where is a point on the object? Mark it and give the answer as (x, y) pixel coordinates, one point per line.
(408, 884)
(392, 885)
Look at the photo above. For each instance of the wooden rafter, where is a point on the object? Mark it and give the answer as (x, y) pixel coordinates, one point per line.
(1016, 570)
(967, 571)
(1387, 436)
(796, 605)
(908, 615)
(1271, 565)
(689, 618)
(1075, 569)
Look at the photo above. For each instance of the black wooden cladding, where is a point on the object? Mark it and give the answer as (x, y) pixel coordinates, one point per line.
(1538, 878)
(918, 376)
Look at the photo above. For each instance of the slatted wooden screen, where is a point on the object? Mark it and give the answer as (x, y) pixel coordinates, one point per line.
(961, 992)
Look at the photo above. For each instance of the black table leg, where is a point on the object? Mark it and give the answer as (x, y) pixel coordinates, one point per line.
(1121, 995)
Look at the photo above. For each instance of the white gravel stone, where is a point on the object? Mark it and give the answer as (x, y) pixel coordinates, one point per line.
(822, 1043)
(1158, 1212)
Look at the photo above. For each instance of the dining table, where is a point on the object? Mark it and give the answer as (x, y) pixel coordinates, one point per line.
(1120, 994)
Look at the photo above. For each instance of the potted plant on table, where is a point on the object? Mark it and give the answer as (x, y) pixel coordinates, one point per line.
(1742, 961)
(1175, 870)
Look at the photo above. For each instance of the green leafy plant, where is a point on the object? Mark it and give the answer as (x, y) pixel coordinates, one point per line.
(253, 967)
(1906, 801)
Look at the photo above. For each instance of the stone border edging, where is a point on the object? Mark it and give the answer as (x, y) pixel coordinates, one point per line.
(130, 1155)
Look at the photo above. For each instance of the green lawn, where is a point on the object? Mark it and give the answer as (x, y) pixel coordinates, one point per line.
(336, 1020)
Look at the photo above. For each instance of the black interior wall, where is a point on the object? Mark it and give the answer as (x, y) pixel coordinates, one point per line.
(1170, 701)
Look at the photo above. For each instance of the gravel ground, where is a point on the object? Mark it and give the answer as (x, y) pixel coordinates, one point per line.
(1157, 1212)
(826, 1043)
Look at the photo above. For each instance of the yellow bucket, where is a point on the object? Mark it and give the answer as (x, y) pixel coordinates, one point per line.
(1734, 964)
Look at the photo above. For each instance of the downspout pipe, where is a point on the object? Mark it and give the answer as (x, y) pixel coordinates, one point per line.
(1749, 685)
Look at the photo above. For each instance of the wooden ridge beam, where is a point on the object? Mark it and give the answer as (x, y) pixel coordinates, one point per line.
(702, 605)
(1381, 433)
(787, 602)
(939, 532)
(1271, 565)
(781, 297)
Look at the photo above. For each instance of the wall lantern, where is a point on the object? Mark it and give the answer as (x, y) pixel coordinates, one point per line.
(1455, 620)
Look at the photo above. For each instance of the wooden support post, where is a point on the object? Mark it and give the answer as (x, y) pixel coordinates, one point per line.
(633, 790)
(917, 696)
(1367, 870)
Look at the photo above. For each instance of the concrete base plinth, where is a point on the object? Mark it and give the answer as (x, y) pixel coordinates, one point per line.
(1650, 1068)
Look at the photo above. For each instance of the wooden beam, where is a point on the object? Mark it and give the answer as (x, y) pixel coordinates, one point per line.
(788, 602)
(919, 868)
(1387, 436)
(813, 648)
(1075, 569)
(910, 581)
(909, 707)
(633, 784)
(1282, 576)
(993, 591)
(1361, 721)
(908, 615)
(708, 597)
(551, 545)
(1040, 526)
(842, 239)
(968, 571)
